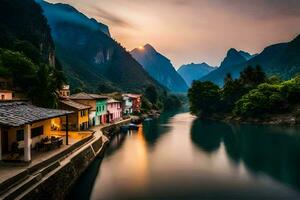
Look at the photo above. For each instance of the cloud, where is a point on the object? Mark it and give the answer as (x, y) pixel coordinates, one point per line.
(111, 18)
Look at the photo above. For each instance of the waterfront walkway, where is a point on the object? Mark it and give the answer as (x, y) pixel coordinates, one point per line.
(13, 173)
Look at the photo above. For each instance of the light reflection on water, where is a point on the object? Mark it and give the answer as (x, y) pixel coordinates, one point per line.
(180, 157)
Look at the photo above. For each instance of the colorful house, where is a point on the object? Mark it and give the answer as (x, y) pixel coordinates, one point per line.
(114, 110)
(97, 103)
(79, 120)
(131, 103)
(22, 126)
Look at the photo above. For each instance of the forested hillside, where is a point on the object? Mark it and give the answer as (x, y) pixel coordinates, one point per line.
(27, 54)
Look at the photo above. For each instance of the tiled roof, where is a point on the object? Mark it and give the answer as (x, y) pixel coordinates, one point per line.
(132, 95)
(113, 101)
(75, 105)
(85, 96)
(20, 113)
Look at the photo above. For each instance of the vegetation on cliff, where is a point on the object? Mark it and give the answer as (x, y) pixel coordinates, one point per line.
(27, 55)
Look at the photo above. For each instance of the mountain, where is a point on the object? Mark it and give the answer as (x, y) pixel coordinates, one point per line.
(23, 28)
(233, 57)
(160, 68)
(191, 72)
(247, 55)
(27, 53)
(91, 59)
(68, 14)
(281, 59)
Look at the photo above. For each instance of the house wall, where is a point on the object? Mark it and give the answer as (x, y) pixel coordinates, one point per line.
(136, 104)
(12, 133)
(92, 117)
(127, 109)
(115, 109)
(83, 118)
(6, 95)
(93, 120)
(101, 111)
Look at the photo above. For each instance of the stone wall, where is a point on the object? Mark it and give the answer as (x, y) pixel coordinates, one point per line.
(58, 182)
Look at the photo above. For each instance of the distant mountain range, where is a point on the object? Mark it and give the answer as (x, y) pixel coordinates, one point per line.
(160, 68)
(91, 59)
(281, 59)
(191, 72)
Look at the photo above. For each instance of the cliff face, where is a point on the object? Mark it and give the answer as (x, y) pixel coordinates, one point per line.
(91, 59)
(24, 28)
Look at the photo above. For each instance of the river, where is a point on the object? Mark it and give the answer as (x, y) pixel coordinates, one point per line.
(180, 157)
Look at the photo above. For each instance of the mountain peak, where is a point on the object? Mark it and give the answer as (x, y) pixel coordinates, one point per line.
(148, 46)
(232, 52)
(193, 71)
(233, 57)
(159, 67)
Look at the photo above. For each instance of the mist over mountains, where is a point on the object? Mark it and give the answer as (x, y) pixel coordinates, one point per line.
(91, 59)
(191, 72)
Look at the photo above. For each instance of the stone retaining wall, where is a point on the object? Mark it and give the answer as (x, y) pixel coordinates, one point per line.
(58, 182)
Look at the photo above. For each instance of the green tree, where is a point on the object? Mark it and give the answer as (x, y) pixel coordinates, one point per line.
(251, 77)
(204, 98)
(151, 94)
(231, 92)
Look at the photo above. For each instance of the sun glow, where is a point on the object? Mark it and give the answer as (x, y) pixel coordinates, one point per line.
(141, 48)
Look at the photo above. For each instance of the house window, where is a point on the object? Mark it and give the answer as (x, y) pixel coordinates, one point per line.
(35, 132)
(82, 113)
(20, 135)
(2, 96)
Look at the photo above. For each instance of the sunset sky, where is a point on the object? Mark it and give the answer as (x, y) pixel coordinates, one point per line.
(196, 30)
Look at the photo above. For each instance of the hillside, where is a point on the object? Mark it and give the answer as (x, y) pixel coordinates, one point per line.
(160, 68)
(27, 53)
(91, 59)
(281, 59)
(191, 72)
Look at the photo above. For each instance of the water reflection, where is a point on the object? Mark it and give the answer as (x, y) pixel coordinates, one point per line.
(180, 157)
(263, 149)
(155, 128)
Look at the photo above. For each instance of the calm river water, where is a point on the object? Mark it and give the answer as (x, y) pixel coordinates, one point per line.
(180, 157)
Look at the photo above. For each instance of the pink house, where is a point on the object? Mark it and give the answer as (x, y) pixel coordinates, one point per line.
(114, 110)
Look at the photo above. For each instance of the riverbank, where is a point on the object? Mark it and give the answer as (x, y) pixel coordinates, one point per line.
(286, 119)
(53, 178)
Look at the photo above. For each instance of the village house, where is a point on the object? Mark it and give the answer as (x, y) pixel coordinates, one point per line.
(24, 126)
(79, 120)
(131, 103)
(64, 92)
(98, 111)
(114, 110)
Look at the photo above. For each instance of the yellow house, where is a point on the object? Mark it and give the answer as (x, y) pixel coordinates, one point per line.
(24, 125)
(79, 120)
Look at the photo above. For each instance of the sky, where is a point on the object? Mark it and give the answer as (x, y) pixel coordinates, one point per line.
(196, 31)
